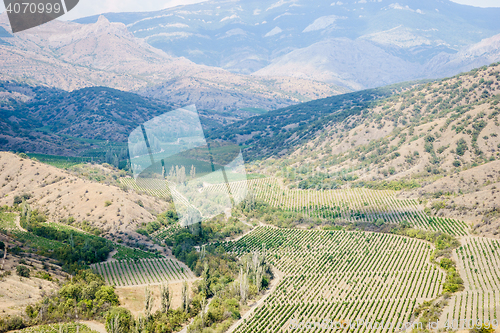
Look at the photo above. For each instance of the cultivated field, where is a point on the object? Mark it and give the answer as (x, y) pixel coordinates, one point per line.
(340, 275)
(58, 328)
(355, 205)
(478, 260)
(142, 272)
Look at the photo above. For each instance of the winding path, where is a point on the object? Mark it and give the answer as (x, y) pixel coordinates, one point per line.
(274, 284)
(18, 224)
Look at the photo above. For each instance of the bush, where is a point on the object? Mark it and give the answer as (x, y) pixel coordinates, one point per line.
(446, 263)
(107, 203)
(23, 271)
(483, 329)
(18, 199)
(461, 147)
(456, 163)
(120, 317)
(379, 222)
(11, 324)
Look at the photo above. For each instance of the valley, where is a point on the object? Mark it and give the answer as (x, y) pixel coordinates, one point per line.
(252, 167)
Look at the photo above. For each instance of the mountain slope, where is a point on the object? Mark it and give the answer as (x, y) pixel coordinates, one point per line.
(363, 65)
(440, 141)
(51, 121)
(71, 56)
(283, 37)
(62, 195)
(279, 132)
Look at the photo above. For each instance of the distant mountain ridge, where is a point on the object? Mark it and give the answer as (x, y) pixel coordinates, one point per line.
(72, 56)
(349, 43)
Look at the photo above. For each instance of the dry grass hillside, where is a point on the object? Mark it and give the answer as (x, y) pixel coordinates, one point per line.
(16, 292)
(443, 137)
(61, 195)
(471, 195)
(430, 119)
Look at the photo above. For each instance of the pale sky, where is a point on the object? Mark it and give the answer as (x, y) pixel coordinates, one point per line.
(93, 7)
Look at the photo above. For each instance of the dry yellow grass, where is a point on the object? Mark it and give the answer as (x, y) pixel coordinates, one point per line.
(61, 195)
(133, 298)
(17, 292)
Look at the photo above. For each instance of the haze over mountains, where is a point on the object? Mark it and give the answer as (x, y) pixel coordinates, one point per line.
(356, 44)
(71, 56)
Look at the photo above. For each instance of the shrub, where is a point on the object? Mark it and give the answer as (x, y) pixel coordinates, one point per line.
(23, 271)
(107, 203)
(461, 147)
(11, 324)
(18, 199)
(119, 320)
(379, 222)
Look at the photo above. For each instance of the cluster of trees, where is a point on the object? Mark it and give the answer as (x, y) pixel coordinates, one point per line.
(395, 185)
(75, 250)
(168, 218)
(230, 283)
(227, 281)
(164, 320)
(85, 296)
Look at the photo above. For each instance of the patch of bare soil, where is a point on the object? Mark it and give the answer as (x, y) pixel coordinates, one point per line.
(471, 195)
(133, 298)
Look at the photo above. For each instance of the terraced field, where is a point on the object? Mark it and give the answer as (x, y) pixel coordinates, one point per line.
(478, 261)
(140, 272)
(340, 275)
(362, 205)
(355, 205)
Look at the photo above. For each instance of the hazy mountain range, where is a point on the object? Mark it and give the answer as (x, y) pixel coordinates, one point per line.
(356, 44)
(72, 56)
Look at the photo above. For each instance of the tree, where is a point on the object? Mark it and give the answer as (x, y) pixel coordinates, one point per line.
(119, 320)
(113, 325)
(185, 297)
(193, 171)
(165, 298)
(148, 303)
(243, 278)
(258, 278)
(106, 294)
